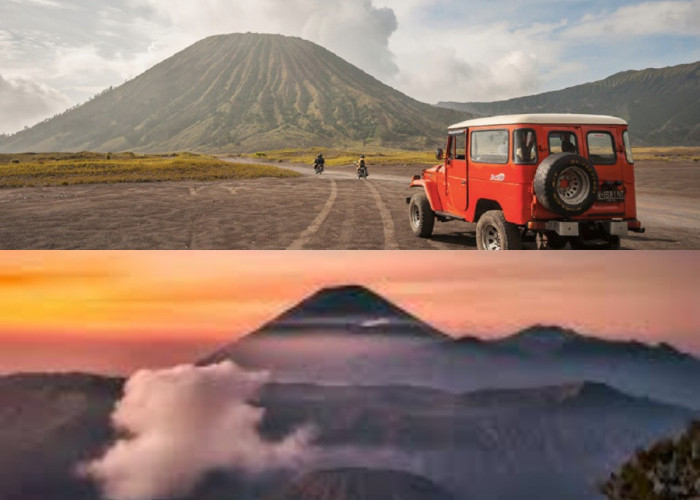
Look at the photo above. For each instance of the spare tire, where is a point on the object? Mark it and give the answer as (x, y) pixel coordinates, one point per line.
(566, 184)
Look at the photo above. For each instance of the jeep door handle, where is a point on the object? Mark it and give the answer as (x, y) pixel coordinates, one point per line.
(464, 183)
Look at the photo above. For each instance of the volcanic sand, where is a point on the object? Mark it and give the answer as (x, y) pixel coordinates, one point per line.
(334, 210)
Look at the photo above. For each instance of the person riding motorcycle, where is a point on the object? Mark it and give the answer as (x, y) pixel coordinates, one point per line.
(318, 163)
(362, 165)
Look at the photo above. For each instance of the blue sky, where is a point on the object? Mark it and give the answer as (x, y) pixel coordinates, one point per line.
(58, 53)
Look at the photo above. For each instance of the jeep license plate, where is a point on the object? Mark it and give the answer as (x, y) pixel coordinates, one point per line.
(611, 195)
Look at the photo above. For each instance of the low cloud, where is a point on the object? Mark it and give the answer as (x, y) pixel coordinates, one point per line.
(24, 101)
(182, 423)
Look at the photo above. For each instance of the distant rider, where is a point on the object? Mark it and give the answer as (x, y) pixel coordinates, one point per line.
(318, 163)
(361, 164)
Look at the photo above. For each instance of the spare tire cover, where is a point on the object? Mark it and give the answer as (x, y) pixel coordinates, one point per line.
(566, 184)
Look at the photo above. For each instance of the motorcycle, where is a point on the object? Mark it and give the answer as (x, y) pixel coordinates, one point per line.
(318, 168)
(362, 173)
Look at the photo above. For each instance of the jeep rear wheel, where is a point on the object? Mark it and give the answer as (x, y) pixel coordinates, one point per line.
(420, 215)
(494, 232)
(566, 184)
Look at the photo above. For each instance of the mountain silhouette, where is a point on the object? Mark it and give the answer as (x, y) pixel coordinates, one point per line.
(351, 335)
(339, 334)
(661, 105)
(549, 355)
(246, 93)
(362, 484)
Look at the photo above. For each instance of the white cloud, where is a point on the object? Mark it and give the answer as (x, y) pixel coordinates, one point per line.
(644, 19)
(24, 102)
(356, 31)
(184, 422)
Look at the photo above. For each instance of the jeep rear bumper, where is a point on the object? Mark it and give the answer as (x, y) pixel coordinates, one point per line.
(587, 227)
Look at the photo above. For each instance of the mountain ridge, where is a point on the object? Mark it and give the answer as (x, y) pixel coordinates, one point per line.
(661, 105)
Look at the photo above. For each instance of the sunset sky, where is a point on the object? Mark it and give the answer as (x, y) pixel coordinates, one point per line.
(114, 312)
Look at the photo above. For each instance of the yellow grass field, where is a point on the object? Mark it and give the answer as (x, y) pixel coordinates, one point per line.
(680, 153)
(63, 169)
(336, 157)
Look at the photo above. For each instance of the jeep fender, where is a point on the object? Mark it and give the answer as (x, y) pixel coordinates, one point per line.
(431, 191)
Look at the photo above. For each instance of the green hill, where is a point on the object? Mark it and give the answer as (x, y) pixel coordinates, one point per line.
(243, 92)
(662, 106)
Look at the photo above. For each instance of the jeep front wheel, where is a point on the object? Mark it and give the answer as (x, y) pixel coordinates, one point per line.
(566, 184)
(494, 232)
(420, 215)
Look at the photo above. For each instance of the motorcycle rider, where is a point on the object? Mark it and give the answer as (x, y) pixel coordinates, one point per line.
(318, 163)
(361, 164)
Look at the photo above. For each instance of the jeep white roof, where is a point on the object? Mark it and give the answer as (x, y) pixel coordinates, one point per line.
(541, 118)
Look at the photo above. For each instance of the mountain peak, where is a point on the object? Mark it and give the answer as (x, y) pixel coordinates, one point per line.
(242, 92)
(540, 338)
(348, 300)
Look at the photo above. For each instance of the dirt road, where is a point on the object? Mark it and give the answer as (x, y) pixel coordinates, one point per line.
(332, 211)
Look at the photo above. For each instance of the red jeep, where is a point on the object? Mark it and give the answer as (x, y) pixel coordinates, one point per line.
(563, 177)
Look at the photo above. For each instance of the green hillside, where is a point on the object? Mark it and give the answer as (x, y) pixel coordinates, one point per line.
(662, 106)
(243, 92)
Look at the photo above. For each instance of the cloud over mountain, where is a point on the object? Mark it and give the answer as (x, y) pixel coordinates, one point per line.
(180, 424)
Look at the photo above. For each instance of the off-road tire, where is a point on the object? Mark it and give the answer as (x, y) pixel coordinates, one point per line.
(566, 184)
(494, 232)
(420, 216)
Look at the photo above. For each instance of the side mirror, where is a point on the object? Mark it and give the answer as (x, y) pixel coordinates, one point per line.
(439, 154)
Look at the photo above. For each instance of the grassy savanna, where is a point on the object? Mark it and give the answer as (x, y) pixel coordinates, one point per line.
(680, 153)
(337, 157)
(62, 169)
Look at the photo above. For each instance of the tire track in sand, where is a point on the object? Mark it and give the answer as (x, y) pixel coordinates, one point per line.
(306, 235)
(390, 242)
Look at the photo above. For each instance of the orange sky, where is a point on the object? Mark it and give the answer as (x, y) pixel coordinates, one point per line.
(116, 311)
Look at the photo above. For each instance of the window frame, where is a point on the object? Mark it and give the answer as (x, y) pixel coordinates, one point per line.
(559, 132)
(452, 153)
(535, 161)
(612, 145)
(472, 142)
(628, 147)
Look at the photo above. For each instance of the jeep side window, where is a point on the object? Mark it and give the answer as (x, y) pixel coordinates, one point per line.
(601, 148)
(628, 147)
(458, 146)
(489, 146)
(562, 142)
(525, 146)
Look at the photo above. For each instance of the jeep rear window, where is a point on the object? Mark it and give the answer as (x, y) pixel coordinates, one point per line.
(601, 148)
(525, 146)
(562, 142)
(490, 146)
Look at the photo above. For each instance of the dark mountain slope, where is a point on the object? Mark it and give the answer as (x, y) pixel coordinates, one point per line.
(48, 425)
(662, 106)
(244, 92)
(547, 443)
(362, 484)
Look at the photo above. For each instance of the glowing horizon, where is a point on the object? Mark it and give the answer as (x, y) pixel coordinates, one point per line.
(208, 298)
